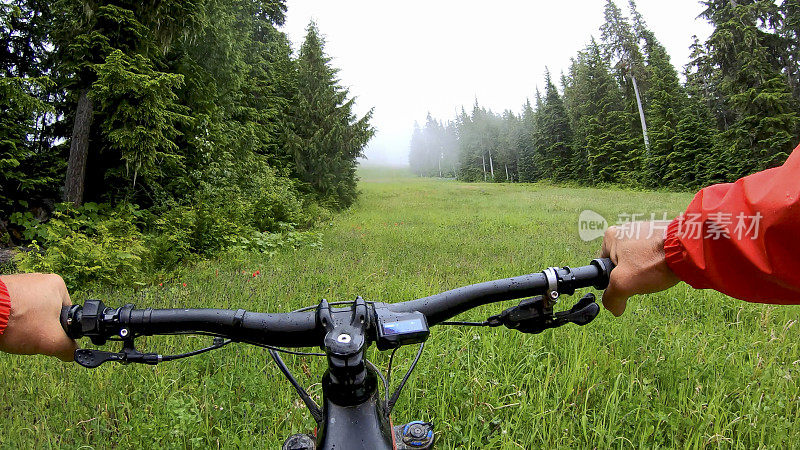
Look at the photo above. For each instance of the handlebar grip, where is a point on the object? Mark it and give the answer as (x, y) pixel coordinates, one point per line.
(597, 274)
(65, 318)
(70, 322)
(605, 266)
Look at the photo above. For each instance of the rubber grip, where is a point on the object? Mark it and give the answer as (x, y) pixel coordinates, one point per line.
(605, 266)
(70, 321)
(64, 317)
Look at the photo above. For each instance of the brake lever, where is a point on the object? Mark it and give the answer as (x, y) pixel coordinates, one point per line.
(532, 316)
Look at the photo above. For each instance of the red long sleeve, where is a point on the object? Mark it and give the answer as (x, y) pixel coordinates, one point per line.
(743, 238)
(5, 306)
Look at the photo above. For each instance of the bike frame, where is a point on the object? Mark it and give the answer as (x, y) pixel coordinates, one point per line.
(365, 424)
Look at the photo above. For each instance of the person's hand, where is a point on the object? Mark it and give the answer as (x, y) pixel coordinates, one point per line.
(637, 248)
(34, 325)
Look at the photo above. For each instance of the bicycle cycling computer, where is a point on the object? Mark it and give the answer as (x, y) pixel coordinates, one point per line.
(397, 329)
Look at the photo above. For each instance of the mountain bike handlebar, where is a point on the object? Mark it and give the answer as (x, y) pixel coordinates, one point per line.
(353, 415)
(440, 307)
(303, 328)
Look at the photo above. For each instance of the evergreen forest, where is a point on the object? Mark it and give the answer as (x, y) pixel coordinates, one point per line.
(137, 135)
(622, 114)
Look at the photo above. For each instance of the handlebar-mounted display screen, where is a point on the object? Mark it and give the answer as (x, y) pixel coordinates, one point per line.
(397, 329)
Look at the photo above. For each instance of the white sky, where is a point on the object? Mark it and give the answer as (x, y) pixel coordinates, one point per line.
(405, 58)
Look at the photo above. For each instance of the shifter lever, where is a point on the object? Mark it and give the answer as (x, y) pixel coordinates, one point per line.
(530, 315)
(91, 358)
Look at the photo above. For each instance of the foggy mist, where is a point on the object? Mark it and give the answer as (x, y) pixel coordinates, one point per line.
(407, 59)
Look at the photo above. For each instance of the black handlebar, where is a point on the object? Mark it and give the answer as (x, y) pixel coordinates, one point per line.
(440, 307)
(302, 329)
(100, 323)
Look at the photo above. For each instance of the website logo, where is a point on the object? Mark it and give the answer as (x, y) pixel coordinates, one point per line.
(591, 225)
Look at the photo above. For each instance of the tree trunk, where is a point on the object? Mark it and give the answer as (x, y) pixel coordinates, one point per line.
(790, 74)
(641, 115)
(79, 150)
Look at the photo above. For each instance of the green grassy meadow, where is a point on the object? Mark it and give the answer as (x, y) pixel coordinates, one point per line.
(681, 369)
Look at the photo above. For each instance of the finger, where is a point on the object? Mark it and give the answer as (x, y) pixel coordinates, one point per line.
(615, 297)
(67, 354)
(61, 290)
(58, 345)
(609, 239)
(614, 301)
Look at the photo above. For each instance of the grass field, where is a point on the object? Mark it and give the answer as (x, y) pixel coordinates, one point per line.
(684, 368)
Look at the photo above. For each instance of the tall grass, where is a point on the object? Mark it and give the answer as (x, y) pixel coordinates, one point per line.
(683, 368)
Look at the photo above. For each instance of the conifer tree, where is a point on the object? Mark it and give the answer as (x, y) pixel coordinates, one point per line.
(30, 165)
(449, 161)
(621, 49)
(527, 129)
(574, 108)
(556, 144)
(693, 163)
(325, 136)
(511, 143)
(603, 120)
(416, 154)
(84, 35)
(666, 104)
(530, 156)
(765, 123)
(788, 18)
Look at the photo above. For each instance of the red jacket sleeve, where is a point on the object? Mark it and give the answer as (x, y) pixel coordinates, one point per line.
(5, 306)
(743, 238)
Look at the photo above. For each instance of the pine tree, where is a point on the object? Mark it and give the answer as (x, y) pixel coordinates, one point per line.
(325, 136)
(603, 120)
(478, 136)
(693, 162)
(511, 144)
(530, 164)
(582, 172)
(765, 123)
(788, 18)
(84, 36)
(527, 129)
(556, 145)
(30, 166)
(140, 112)
(469, 160)
(450, 159)
(434, 138)
(737, 112)
(416, 153)
(621, 49)
(666, 105)
(29, 171)
(434, 149)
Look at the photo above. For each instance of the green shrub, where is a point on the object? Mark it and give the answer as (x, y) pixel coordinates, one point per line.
(271, 243)
(239, 205)
(170, 241)
(277, 205)
(91, 244)
(314, 214)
